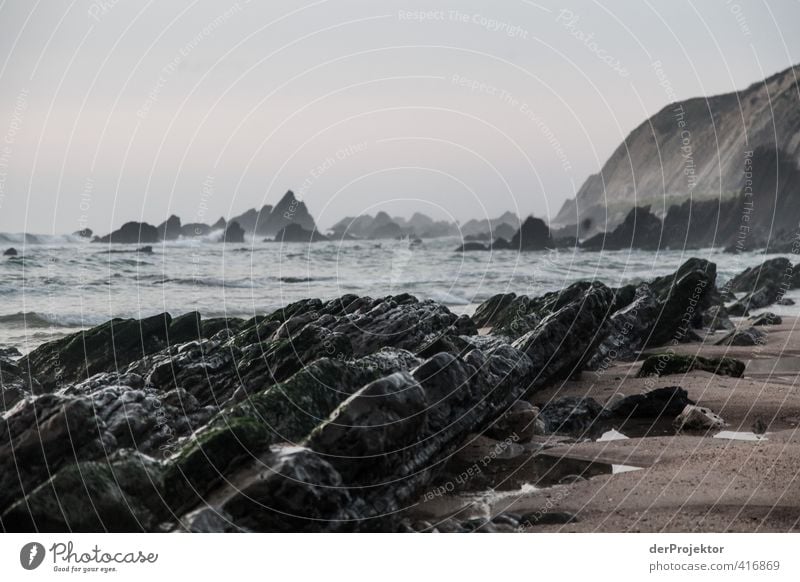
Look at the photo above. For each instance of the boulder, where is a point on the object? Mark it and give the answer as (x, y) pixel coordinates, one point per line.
(521, 421)
(765, 284)
(10, 252)
(131, 233)
(666, 402)
(671, 363)
(664, 311)
(743, 337)
(573, 415)
(698, 418)
(83, 233)
(765, 319)
(717, 318)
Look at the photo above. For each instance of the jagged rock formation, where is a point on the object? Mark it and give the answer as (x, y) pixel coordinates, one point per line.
(170, 229)
(289, 210)
(233, 233)
(131, 233)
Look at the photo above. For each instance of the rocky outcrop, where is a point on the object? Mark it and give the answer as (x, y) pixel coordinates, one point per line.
(533, 235)
(664, 311)
(131, 233)
(640, 230)
(10, 252)
(83, 233)
(763, 285)
(183, 423)
(669, 363)
(233, 233)
(170, 229)
(296, 233)
(750, 336)
(714, 159)
(288, 210)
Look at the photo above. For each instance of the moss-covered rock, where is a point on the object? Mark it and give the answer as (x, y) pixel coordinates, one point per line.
(669, 363)
(121, 494)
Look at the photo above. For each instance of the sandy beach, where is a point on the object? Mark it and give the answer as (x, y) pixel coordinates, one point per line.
(659, 482)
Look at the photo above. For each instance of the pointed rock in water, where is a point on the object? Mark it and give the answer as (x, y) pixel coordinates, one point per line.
(219, 224)
(10, 252)
(233, 233)
(253, 220)
(287, 211)
(533, 235)
(170, 229)
(131, 233)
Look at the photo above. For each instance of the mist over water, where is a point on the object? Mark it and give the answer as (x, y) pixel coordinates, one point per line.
(60, 284)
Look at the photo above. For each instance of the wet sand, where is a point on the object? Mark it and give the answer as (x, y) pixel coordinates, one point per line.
(685, 483)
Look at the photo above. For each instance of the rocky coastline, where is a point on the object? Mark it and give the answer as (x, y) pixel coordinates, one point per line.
(359, 413)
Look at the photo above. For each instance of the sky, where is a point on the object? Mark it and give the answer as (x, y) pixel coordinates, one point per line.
(119, 110)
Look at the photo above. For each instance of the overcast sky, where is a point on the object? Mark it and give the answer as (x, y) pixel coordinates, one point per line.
(133, 110)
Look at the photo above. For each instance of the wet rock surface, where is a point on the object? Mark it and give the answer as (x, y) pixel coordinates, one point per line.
(667, 363)
(323, 415)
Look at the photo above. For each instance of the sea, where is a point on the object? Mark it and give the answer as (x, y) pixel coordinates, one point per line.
(60, 284)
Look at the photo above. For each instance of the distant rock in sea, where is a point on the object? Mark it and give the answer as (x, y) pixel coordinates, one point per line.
(131, 233)
(641, 229)
(254, 221)
(289, 210)
(194, 229)
(296, 233)
(533, 235)
(11, 252)
(472, 246)
(233, 233)
(170, 229)
(220, 224)
(83, 233)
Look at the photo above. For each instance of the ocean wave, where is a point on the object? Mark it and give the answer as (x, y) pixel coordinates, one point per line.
(447, 298)
(24, 238)
(34, 319)
(207, 282)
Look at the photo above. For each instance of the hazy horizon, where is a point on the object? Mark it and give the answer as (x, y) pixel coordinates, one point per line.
(113, 112)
